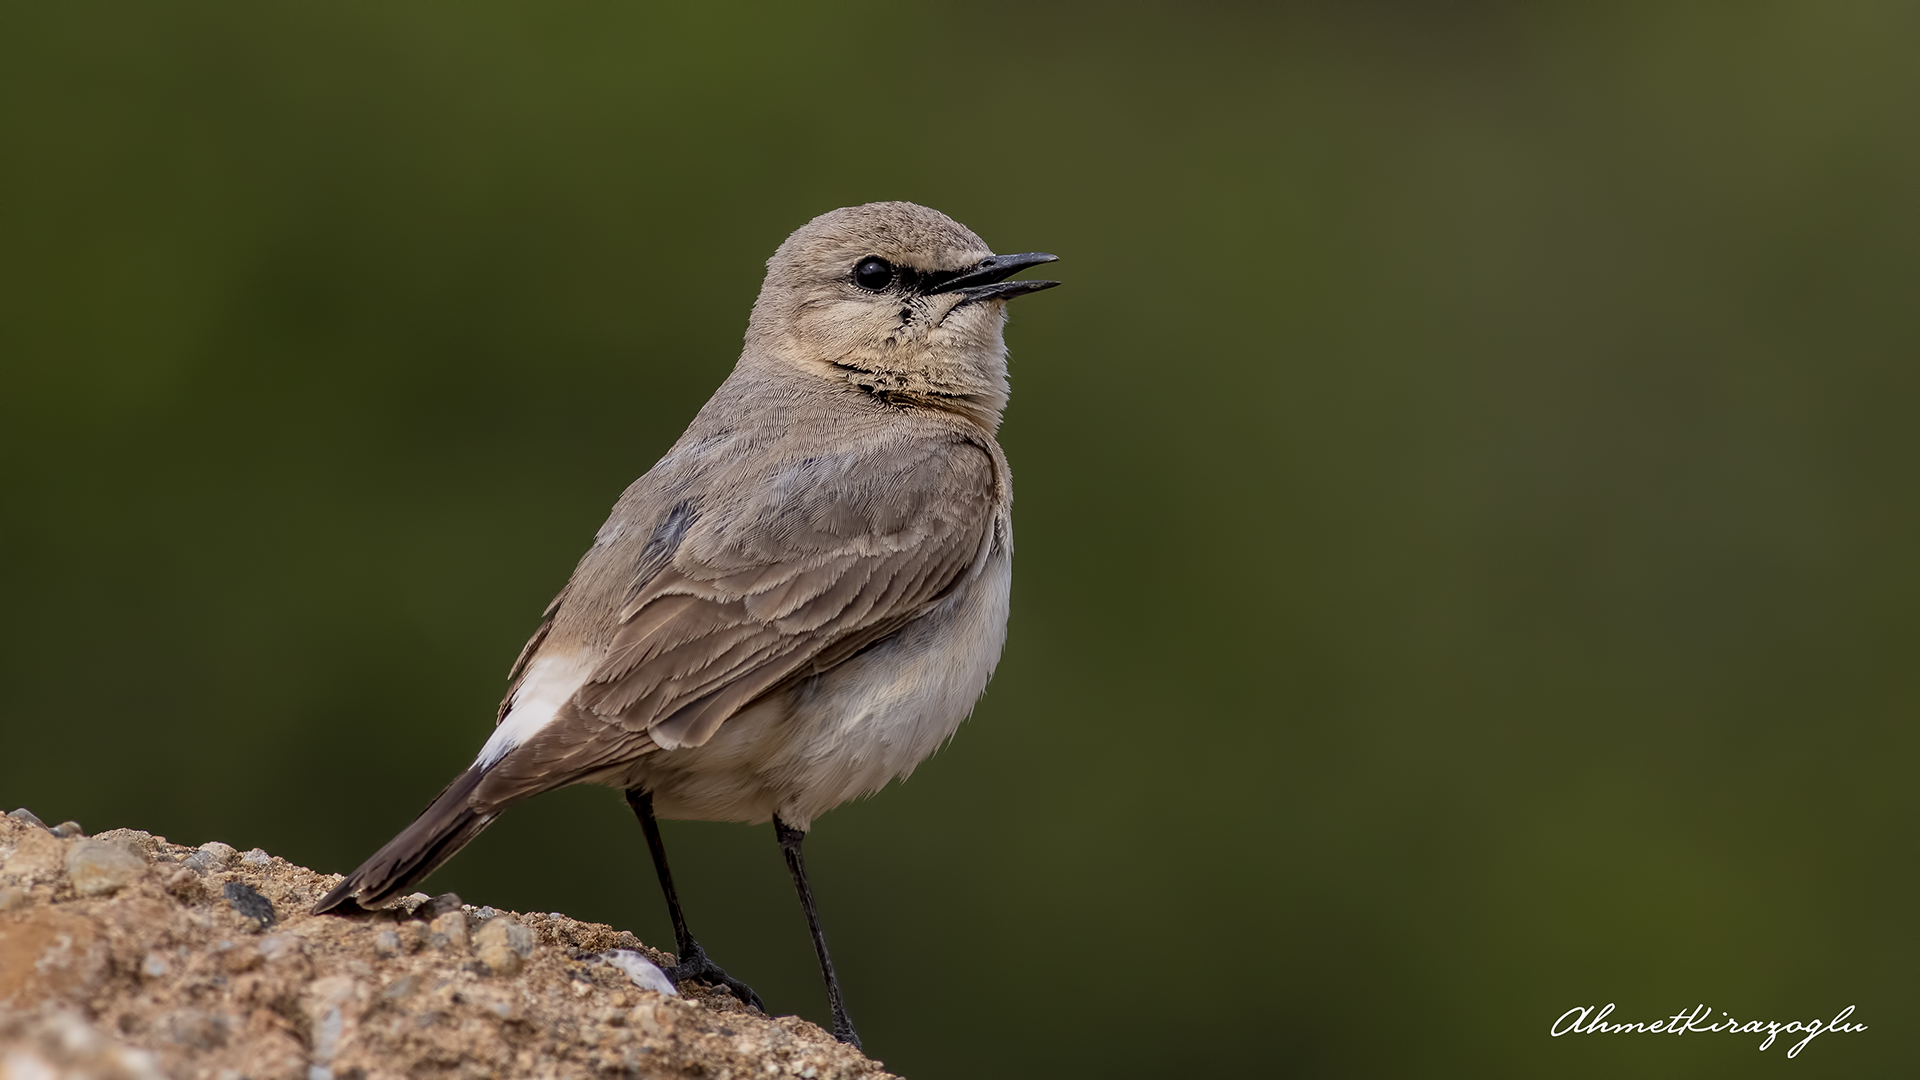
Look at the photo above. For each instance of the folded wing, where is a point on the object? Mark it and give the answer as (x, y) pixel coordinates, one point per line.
(780, 578)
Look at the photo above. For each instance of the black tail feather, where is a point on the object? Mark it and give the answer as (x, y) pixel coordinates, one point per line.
(441, 830)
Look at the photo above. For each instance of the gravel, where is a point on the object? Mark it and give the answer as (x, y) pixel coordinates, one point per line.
(128, 956)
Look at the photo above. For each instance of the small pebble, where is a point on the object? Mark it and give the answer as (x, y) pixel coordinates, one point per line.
(12, 898)
(99, 868)
(249, 903)
(641, 970)
(153, 966)
(28, 816)
(448, 931)
(256, 857)
(213, 855)
(438, 906)
(386, 943)
(68, 829)
(503, 944)
(655, 1020)
(414, 935)
(184, 883)
(502, 961)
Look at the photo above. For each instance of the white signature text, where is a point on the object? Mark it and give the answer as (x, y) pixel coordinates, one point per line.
(1586, 1020)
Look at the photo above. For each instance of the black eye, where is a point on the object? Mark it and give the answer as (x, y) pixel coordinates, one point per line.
(873, 273)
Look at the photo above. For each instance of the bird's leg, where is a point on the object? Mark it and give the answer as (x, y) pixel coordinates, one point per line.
(692, 959)
(790, 839)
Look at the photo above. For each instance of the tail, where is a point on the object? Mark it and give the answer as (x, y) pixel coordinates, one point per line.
(441, 830)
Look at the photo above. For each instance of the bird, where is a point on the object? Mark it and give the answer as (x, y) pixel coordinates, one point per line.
(803, 599)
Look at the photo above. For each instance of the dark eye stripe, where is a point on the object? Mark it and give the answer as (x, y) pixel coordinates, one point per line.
(876, 274)
(933, 279)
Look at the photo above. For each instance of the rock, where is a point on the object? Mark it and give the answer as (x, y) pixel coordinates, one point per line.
(168, 979)
(642, 971)
(256, 857)
(61, 1043)
(40, 858)
(400, 987)
(414, 935)
(27, 816)
(11, 898)
(102, 868)
(235, 960)
(212, 855)
(184, 884)
(503, 944)
(499, 959)
(438, 906)
(329, 1003)
(145, 843)
(653, 1019)
(449, 931)
(194, 1028)
(250, 904)
(67, 830)
(52, 953)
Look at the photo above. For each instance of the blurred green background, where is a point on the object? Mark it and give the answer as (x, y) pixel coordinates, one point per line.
(1466, 491)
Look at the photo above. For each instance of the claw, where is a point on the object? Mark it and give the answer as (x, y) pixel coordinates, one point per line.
(695, 967)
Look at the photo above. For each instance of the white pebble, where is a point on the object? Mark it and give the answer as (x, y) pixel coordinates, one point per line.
(641, 970)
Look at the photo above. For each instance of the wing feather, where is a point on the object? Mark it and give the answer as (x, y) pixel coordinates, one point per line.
(760, 592)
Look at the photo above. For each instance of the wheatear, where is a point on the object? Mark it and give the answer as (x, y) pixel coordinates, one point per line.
(806, 595)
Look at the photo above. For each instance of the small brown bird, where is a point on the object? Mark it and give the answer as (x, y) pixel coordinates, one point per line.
(805, 597)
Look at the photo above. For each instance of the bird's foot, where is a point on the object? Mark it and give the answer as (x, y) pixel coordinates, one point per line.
(843, 1031)
(694, 966)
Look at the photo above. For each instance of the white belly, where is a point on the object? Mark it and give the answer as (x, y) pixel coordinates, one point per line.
(848, 732)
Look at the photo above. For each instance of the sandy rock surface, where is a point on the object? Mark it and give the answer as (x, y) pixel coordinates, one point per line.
(125, 956)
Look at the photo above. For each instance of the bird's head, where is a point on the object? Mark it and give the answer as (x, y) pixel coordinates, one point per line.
(897, 300)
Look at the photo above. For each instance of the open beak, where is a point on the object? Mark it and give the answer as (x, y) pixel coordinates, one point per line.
(986, 279)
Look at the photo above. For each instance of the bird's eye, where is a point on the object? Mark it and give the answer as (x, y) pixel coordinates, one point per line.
(873, 274)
